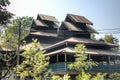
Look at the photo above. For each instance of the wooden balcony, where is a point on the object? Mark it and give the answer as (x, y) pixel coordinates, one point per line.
(62, 67)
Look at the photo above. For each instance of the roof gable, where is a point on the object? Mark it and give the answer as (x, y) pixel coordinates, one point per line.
(47, 18)
(78, 19)
(70, 26)
(90, 29)
(40, 23)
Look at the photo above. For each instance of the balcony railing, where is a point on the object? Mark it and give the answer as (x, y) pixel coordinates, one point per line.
(62, 67)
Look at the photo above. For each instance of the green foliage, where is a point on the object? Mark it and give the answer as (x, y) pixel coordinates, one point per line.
(34, 63)
(9, 39)
(110, 39)
(99, 76)
(24, 24)
(4, 3)
(56, 78)
(92, 36)
(114, 76)
(25, 21)
(81, 60)
(48, 75)
(87, 76)
(4, 14)
(67, 77)
(83, 76)
(10, 36)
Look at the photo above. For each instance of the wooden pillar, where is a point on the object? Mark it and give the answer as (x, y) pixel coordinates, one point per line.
(114, 59)
(65, 61)
(65, 57)
(109, 60)
(57, 57)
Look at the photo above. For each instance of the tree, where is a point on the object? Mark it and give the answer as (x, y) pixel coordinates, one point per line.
(23, 24)
(82, 62)
(66, 77)
(34, 64)
(56, 78)
(9, 38)
(9, 45)
(9, 42)
(10, 35)
(98, 76)
(4, 14)
(87, 76)
(110, 39)
(83, 76)
(92, 36)
(114, 76)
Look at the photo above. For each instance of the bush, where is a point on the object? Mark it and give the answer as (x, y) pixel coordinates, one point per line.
(114, 76)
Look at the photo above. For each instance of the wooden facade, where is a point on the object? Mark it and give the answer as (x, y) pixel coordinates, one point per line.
(59, 42)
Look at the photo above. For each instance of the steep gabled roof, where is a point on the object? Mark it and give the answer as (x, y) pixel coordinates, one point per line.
(79, 19)
(70, 26)
(78, 23)
(40, 23)
(90, 29)
(73, 27)
(47, 18)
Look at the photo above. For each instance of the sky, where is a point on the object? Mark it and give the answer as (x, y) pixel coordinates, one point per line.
(105, 14)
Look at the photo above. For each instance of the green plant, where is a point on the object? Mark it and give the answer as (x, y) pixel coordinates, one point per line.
(82, 62)
(114, 76)
(34, 64)
(83, 76)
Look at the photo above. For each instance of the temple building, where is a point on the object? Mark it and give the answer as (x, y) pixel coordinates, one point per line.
(59, 41)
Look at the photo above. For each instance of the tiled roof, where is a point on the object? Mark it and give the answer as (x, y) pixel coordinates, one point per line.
(47, 18)
(79, 19)
(90, 29)
(71, 27)
(42, 33)
(70, 50)
(40, 23)
(81, 41)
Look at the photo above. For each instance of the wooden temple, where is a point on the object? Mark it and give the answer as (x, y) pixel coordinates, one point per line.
(59, 41)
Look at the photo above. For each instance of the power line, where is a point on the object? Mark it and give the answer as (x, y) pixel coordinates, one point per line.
(109, 32)
(108, 29)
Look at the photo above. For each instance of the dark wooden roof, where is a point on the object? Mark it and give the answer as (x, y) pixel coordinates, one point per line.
(70, 26)
(45, 23)
(81, 41)
(79, 19)
(39, 23)
(90, 29)
(42, 33)
(47, 18)
(70, 50)
(45, 39)
(78, 23)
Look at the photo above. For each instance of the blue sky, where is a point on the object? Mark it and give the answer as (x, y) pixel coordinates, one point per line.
(105, 14)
